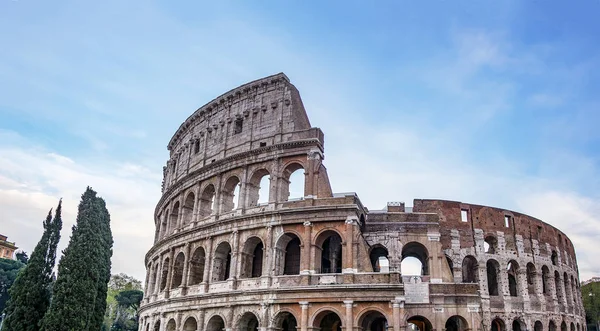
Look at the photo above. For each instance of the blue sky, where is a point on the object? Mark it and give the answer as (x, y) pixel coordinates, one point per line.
(488, 102)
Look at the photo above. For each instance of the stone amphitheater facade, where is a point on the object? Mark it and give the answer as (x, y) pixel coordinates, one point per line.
(226, 258)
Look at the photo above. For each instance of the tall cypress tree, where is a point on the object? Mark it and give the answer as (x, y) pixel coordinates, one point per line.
(82, 279)
(30, 293)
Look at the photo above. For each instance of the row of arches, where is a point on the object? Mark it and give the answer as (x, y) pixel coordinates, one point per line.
(215, 200)
(325, 320)
(490, 246)
(518, 325)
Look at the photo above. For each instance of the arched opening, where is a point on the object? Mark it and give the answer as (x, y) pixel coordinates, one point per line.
(418, 323)
(567, 288)
(578, 328)
(328, 321)
(178, 270)
(285, 321)
(545, 278)
(252, 258)
(450, 264)
(493, 269)
(513, 273)
(456, 323)
(258, 188)
(373, 321)
(171, 325)
(230, 194)
(248, 322)
(188, 209)
(551, 326)
(554, 258)
(518, 325)
(572, 326)
(329, 252)
(207, 201)
(563, 326)
(157, 326)
(470, 273)
(174, 217)
(287, 255)
(197, 264)
(164, 275)
(294, 176)
(498, 325)
(557, 287)
(164, 224)
(490, 245)
(416, 251)
(538, 326)
(379, 259)
(215, 323)
(531, 276)
(190, 324)
(222, 262)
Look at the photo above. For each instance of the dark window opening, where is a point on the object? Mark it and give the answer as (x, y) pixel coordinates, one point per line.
(492, 277)
(292, 258)
(197, 147)
(263, 144)
(257, 261)
(238, 126)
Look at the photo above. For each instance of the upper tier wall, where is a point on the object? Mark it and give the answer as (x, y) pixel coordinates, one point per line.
(262, 113)
(491, 220)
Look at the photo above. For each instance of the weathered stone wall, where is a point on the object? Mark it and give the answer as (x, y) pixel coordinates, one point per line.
(223, 261)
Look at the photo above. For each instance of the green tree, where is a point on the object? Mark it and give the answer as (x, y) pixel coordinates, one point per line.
(79, 298)
(128, 302)
(31, 291)
(8, 273)
(591, 303)
(22, 256)
(117, 284)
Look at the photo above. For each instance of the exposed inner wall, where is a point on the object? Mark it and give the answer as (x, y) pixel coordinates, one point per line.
(525, 234)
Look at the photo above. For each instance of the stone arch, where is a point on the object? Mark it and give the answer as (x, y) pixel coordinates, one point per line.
(567, 287)
(563, 326)
(207, 201)
(554, 258)
(456, 323)
(252, 258)
(498, 325)
(190, 324)
(248, 322)
(418, 322)
(287, 254)
(215, 323)
(222, 262)
(178, 270)
(531, 277)
(372, 319)
(519, 325)
(164, 274)
(284, 321)
(513, 278)
(230, 194)
(417, 250)
(538, 326)
(490, 244)
(157, 326)
(188, 209)
(255, 188)
(171, 325)
(551, 326)
(379, 258)
(557, 286)
(572, 326)
(290, 190)
(174, 217)
(545, 280)
(329, 254)
(470, 270)
(327, 319)
(197, 265)
(493, 271)
(164, 223)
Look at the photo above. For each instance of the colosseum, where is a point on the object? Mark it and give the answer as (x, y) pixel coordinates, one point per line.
(236, 249)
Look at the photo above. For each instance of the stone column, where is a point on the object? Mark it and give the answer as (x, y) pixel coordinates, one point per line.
(186, 264)
(264, 316)
(304, 317)
(201, 314)
(268, 257)
(398, 314)
(170, 272)
(242, 203)
(349, 322)
(234, 268)
(307, 263)
(208, 264)
(348, 261)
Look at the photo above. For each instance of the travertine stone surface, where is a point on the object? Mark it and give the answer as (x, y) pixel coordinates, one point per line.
(227, 258)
